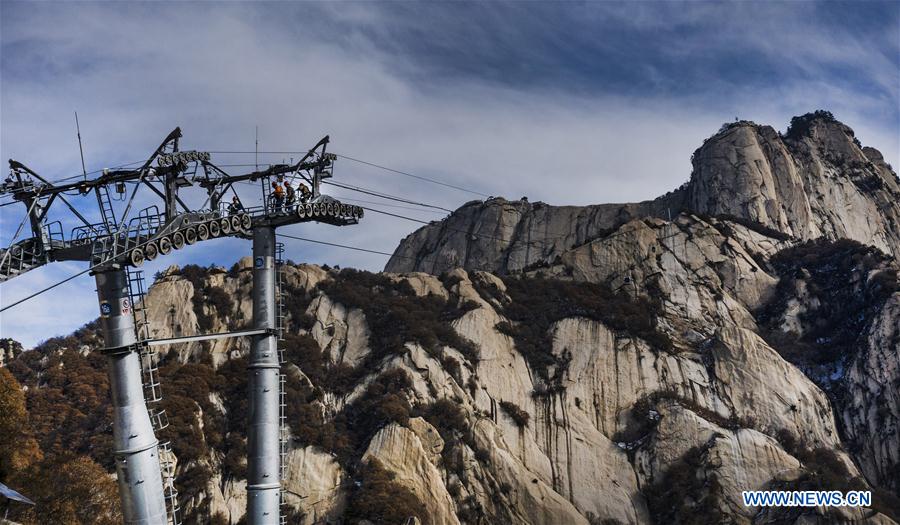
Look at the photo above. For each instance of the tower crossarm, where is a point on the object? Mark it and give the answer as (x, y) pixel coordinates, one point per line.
(132, 240)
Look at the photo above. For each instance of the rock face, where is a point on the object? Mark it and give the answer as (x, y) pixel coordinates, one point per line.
(402, 451)
(9, 350)
(601, 438)
(816, 181)
(871, 415)
(818, 184)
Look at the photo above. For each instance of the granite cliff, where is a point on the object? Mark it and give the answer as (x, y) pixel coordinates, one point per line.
(816, 180)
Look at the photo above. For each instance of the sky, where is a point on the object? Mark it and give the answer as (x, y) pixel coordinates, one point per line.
(568, 103)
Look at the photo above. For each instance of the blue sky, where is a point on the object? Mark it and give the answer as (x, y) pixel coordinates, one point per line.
(573, 103)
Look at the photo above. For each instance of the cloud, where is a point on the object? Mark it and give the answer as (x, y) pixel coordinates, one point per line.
(591, 103)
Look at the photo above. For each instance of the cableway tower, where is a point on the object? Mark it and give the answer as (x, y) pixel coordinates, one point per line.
(120, 240)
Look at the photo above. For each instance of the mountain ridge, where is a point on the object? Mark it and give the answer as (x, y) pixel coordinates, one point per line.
(814, 181)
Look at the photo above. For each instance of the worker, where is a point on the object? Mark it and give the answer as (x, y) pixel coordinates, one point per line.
(235, 207)
(305, 193)
(289, 195)
(277, 195)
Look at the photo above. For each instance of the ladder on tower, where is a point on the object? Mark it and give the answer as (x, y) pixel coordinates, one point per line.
(106, 209)
(152, 392)
(167, 468)
(279, 331)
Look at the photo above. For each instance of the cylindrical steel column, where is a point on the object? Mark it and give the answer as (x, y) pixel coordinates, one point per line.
(263, 444)
(135, 445)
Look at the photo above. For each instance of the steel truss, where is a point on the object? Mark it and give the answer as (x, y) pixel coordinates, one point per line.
(144, 466)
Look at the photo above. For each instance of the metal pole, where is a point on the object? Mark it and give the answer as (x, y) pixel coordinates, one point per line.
(263, 443)
(135, 445)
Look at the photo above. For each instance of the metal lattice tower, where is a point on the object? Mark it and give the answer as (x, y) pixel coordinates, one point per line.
(145, 467)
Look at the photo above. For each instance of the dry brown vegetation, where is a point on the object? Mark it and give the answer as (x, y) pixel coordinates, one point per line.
(848, 281)
(67, 488)
(537, 303)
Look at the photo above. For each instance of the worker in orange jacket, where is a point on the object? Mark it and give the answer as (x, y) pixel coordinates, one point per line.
(277, 195)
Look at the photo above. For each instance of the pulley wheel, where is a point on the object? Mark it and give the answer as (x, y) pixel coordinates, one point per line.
(214, 229)
(315, 209)
(165, 246)
(190, 235)
(225, 226)
(235, 223)
(136, 257)
(301, 211)
(151, 251)
(178, 240)
(329, 209)
(246, 222)
(203, 232)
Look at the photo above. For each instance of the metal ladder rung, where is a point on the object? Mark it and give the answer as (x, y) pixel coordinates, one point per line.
(282, 379)
(159, 419)
(283, 426)
(149, 358)
(167, 468)
(106, 210)
(150, 369)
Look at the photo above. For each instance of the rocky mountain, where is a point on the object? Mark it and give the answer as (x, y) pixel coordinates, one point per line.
(525, 363)
(814, 181)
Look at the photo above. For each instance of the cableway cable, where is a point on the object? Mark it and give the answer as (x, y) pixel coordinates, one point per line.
(360, 161)
(35, 294)
(491, 237)
(398, 206)
(426, 179)
(334, 244)
(388, 196)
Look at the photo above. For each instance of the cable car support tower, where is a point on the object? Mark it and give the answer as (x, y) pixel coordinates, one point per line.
(113, 246)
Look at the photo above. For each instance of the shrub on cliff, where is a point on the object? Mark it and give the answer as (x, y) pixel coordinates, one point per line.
(687, 493)
(800, 125)
(537, 303)
(519, 416)
(396, 315)
(379, 499)
(347, 434)
(848, 283)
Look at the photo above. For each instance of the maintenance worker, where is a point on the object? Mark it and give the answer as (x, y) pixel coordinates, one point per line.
(289, 194)
(305, 193)
(235, 207)
(277, 195)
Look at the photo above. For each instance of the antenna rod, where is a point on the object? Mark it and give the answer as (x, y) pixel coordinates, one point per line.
(256, 152)
(80, 149)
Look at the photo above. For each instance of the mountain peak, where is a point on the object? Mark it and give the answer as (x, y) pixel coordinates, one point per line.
(806, 125)
(814, 181)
